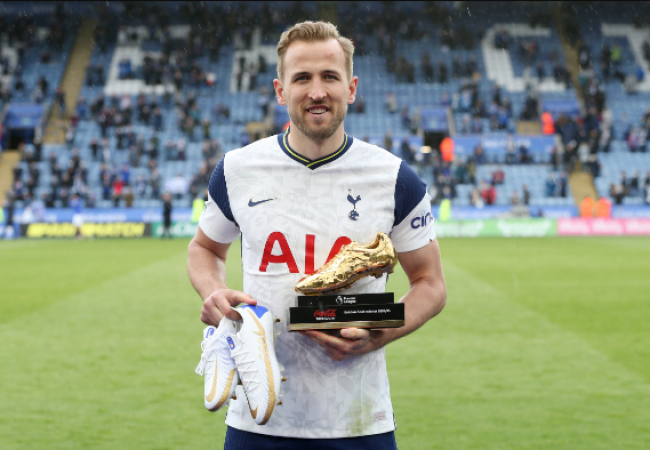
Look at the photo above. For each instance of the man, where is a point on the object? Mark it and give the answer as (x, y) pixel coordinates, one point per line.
(288, 197)
(167, 215)
(76, 205)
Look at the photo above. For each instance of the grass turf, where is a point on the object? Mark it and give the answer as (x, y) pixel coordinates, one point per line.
(544, 343)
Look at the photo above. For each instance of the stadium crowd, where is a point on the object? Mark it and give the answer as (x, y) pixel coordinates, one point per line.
(580, 138)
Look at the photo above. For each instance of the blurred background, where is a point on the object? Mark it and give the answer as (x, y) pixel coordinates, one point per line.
(505, 110)
(525, 119)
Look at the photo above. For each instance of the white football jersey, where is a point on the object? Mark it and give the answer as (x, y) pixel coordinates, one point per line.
(293, 213)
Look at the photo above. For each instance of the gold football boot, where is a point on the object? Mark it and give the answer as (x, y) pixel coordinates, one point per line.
(351, 263)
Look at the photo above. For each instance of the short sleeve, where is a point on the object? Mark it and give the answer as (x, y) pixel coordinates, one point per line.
(413, 224)
(217, 220)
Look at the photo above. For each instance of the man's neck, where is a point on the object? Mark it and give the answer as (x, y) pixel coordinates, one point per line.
(315, 149)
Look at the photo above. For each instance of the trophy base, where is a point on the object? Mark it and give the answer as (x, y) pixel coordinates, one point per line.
(332, 317)
(341, 325)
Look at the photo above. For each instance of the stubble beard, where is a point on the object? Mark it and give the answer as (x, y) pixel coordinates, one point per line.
(319, 133)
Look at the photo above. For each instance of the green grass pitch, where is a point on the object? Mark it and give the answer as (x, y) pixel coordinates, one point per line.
(544, 344)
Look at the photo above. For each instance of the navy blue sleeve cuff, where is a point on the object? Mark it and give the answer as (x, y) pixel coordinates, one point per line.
(409, 191)
(219, 191)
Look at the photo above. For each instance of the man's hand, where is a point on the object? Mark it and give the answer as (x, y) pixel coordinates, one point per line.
(349, 342)
(424, 300)
(220, 303)
(206, 265)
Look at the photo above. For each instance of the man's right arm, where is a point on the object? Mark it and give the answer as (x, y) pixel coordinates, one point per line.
(206, 266)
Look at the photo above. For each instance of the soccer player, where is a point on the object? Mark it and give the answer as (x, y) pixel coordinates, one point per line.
(77, 218)
(296, 199)
(167, 215)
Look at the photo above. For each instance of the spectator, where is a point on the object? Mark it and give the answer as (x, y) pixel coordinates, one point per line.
(427, 69)
(125, 174)
(524, 154)
(562, 183)
(475, 198)
(550, 185)
(177, 186)
(140, 185)
(633, 183)
(155, 181)
(167, 215)
(514, 198)
(388, 141)
(479, 154)
(498, 176)
(541, 72)
(118, 188)
(511, 156)
(489, 194)
(617, 192)
(391, 103)
(128, 197)
(405, 118)
(525, 195)
(442, 72)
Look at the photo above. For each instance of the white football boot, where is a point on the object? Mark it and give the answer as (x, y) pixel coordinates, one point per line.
(217, 365)
(257, 365)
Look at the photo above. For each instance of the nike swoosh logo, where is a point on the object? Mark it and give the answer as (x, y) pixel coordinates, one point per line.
(226, 391)
(213, 392)
(260, 329)
(252, 203)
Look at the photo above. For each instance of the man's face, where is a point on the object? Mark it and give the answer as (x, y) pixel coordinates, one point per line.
(315, 87)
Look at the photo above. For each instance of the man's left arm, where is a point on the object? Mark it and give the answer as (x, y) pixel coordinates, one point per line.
(425, 299)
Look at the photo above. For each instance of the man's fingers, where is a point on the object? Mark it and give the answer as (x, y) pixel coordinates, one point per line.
(355, 333)
(221, 303)
(234, 298)
(339, 348)
(210, 314)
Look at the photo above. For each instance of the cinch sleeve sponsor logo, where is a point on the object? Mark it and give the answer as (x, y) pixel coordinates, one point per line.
(423, 220)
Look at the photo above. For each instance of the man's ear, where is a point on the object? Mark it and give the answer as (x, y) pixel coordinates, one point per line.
(279, 92)
(352, 90)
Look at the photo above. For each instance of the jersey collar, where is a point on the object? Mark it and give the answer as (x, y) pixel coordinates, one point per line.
(283, 140)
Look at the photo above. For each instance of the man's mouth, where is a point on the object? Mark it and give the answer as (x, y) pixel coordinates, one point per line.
(317, 110)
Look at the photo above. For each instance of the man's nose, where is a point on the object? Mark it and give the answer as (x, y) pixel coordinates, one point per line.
(317, 91)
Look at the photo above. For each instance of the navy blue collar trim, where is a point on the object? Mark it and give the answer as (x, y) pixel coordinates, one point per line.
(283, 140)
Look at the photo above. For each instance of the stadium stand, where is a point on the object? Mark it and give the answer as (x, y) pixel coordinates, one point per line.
(170, 87)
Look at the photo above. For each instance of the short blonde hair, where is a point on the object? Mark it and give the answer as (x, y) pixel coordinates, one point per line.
(314, 31)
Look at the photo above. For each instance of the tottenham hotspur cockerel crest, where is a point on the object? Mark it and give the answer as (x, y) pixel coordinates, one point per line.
(354, 215)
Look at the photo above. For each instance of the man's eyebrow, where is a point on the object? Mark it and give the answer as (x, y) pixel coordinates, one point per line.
(326, 71)
(297, 74)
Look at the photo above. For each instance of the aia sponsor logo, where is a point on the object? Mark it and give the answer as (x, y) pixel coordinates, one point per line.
(327, 313)
(286, 255)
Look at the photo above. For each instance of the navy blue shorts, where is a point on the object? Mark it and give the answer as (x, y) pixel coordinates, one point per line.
(244, 440)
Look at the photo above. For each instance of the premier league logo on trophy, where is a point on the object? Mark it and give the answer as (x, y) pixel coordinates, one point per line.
(317, 310)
